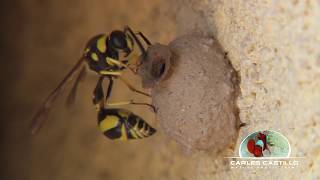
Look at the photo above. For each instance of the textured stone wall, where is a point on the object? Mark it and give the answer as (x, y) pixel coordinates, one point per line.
(274, 46)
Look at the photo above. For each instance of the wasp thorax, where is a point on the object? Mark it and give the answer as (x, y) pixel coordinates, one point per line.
(195, 90)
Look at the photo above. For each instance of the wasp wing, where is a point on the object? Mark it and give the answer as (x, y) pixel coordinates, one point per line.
(40, 116)
(73, 93)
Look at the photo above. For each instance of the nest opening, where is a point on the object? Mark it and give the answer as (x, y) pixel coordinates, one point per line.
(158, 69)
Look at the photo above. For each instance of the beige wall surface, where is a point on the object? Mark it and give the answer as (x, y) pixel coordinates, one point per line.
(274, 46)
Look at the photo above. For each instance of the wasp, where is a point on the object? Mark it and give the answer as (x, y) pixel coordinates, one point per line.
(108, 55)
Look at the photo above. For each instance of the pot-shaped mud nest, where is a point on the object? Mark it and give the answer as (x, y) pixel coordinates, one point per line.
(194, 88)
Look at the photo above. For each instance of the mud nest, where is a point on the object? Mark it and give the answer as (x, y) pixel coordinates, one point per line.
(194, 88)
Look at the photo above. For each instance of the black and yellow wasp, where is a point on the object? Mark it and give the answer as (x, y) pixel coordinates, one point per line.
(108, 56)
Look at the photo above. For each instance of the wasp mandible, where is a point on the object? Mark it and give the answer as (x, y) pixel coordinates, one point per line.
(107, 55)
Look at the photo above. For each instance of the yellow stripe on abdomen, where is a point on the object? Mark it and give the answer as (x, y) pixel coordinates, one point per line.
(124, 136)
(137, 130)
(134, 134)
(108, 123)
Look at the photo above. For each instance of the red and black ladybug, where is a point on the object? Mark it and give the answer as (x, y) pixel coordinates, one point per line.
(257, 145)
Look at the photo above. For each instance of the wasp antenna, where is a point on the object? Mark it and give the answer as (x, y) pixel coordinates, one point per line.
(146, 40)
(142, 49)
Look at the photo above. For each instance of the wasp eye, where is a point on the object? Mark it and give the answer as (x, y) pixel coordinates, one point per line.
(118, 40)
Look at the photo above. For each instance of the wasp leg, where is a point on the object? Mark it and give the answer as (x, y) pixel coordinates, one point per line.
(131, 102)
(98, 94)
(154, 109)
(135, 62)
(72, 96)
(109, 88)
(133, 88)
(120, 64)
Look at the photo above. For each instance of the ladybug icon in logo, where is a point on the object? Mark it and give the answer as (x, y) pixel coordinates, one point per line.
(257, 145)
(267, 143)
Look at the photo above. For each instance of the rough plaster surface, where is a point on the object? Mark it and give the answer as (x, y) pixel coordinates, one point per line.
(275, 46)
(196, 103)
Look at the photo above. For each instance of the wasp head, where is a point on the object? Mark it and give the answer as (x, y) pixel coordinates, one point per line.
(121, 42)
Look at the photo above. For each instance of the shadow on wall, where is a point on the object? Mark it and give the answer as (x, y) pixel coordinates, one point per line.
(41, 40)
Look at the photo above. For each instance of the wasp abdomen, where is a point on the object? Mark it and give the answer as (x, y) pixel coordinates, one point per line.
(123, 125)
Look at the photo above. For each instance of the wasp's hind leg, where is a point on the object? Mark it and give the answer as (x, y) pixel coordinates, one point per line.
(133, 88)
(131, 102)
(109, 88)
(154, 109)
(98, 95)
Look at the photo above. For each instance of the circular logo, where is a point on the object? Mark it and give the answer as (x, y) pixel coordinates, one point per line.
(267, 143)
